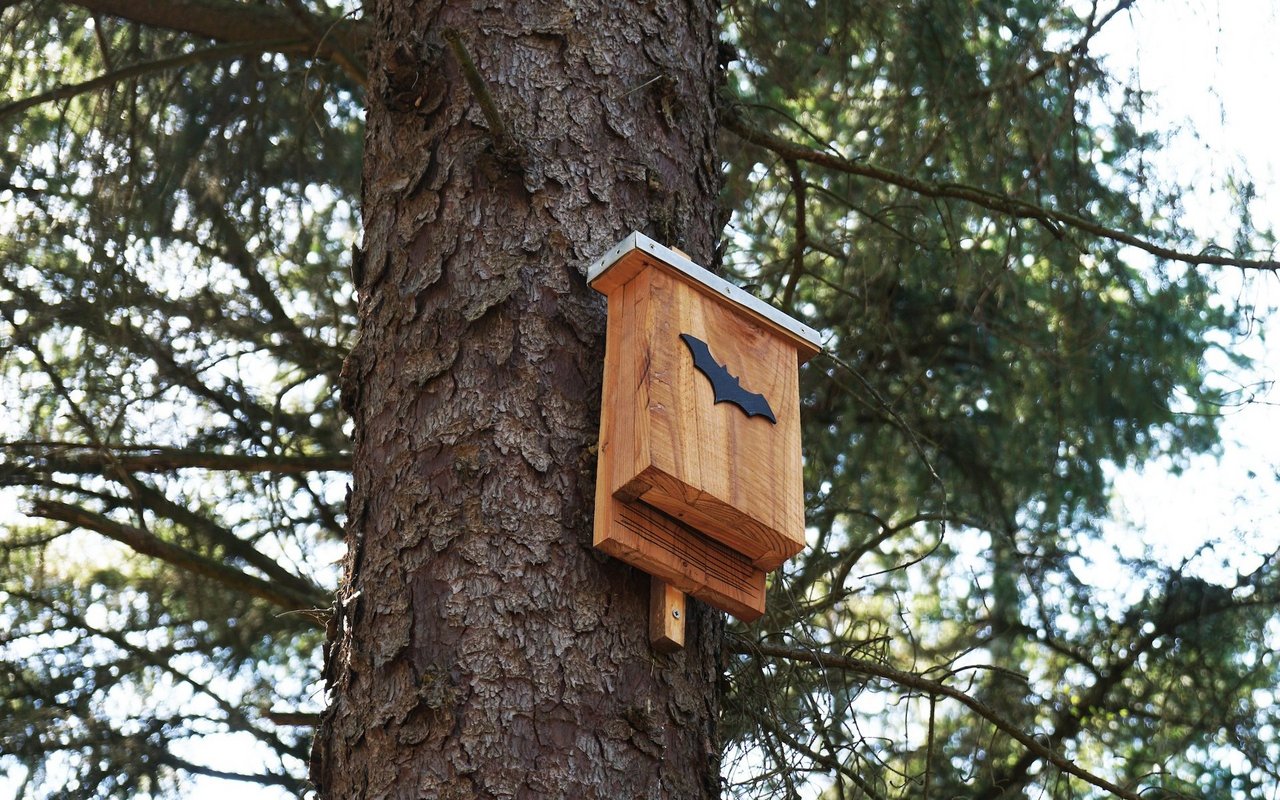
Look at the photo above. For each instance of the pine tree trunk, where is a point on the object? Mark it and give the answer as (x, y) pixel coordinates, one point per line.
(482, 648)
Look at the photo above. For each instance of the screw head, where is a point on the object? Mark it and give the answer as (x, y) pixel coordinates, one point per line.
(675, 612)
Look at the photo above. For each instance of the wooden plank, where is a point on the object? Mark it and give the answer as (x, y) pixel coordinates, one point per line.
(733, 477)
(696, 493)
(645, 539)
(710, 571)
(761, 545)
(666, 616)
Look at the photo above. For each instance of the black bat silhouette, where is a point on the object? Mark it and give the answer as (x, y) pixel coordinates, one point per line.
(725, 386)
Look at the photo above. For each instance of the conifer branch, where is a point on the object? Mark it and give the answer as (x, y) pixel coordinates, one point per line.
(821, 759)
(240, 22)
(148, 544)
(909, 680)
(1174, 612)
(232, 546)
(266, 779)
(107, 79)
(801, 241)
(1054, 221)
(294, 719)
(236, 251)
(235, 717)
(339, 53)
(82, 458)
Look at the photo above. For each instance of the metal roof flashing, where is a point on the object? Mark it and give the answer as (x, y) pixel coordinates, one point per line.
(713, 283)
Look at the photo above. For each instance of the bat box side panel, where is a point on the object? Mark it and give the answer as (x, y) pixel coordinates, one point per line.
(624, 425)
(735, 478)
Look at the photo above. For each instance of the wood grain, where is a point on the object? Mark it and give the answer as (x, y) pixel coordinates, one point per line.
(666, 616)
(732, 477)
(652, 542)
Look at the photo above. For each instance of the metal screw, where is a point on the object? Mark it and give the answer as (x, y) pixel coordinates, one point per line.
(675, 612)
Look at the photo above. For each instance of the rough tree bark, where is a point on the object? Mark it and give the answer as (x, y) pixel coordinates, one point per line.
(481, 648)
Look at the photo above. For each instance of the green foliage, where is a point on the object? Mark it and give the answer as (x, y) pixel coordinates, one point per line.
(986, 375)
(174, 252)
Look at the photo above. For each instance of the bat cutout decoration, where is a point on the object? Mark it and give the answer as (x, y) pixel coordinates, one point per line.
(725, 386)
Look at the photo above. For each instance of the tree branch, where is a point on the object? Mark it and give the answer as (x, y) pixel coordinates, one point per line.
(822, 759)
(149, 544)
(234, 399)
(232, 545)
(266, 779)
(1070, 720)
(341, 56)
(68, 90)
(241, 22)
(507, 148)
(295, 719)
(732, 119)
(817, 658)
(801, 242)
(54, 458)
(150, 499)
(235, 718)
(237, 253)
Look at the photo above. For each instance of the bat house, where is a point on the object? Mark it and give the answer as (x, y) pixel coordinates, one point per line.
(699, 479)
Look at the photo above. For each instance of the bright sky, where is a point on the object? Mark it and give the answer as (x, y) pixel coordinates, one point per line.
(1214, 68)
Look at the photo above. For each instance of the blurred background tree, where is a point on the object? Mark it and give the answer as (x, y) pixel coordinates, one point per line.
(954, 193)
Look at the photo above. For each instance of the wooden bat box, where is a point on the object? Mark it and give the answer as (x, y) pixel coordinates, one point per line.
(699, 480)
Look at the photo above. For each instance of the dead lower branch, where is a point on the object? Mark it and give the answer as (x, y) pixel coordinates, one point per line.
(506, 147)
(230, 22)
(88, 458)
